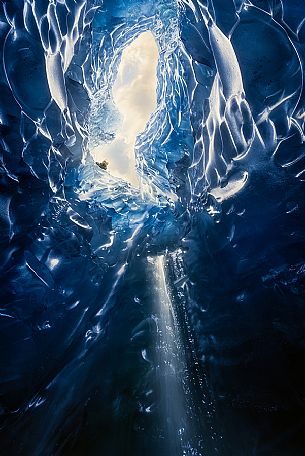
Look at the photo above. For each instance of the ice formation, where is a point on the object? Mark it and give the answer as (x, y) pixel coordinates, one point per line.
(216, 225)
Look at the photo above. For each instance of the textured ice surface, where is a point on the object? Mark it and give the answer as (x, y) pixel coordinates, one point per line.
(221, 166)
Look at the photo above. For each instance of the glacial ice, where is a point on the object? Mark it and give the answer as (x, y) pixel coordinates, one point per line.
(221, 169)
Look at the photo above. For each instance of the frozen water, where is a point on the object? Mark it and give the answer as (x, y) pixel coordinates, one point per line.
(221, 170)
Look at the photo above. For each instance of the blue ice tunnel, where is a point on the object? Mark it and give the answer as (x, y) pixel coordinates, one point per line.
(222, 167)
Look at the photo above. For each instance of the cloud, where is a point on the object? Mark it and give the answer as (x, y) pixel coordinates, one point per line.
(134, 94)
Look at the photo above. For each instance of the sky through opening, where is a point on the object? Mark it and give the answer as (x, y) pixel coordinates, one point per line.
(134, 93)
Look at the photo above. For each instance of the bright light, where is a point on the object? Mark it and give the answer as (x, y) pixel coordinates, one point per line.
(134, 94)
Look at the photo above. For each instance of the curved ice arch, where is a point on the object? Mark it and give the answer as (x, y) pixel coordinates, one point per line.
(158, 147)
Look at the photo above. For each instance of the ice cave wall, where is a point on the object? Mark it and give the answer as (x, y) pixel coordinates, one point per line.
(226, 139)
(57, 248)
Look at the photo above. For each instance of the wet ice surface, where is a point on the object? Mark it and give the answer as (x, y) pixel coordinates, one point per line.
(221, 170)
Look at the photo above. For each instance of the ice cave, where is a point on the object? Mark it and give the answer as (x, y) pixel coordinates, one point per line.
(152, 227)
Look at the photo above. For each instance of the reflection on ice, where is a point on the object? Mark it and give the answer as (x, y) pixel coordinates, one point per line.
(172, 373)
(170, 363)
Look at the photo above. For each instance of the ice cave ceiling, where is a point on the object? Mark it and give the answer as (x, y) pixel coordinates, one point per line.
(155, 307)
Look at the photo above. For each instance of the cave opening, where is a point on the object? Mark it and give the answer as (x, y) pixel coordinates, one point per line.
(134, 93)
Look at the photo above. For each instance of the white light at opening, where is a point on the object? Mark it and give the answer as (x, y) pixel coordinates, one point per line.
(134, 93)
